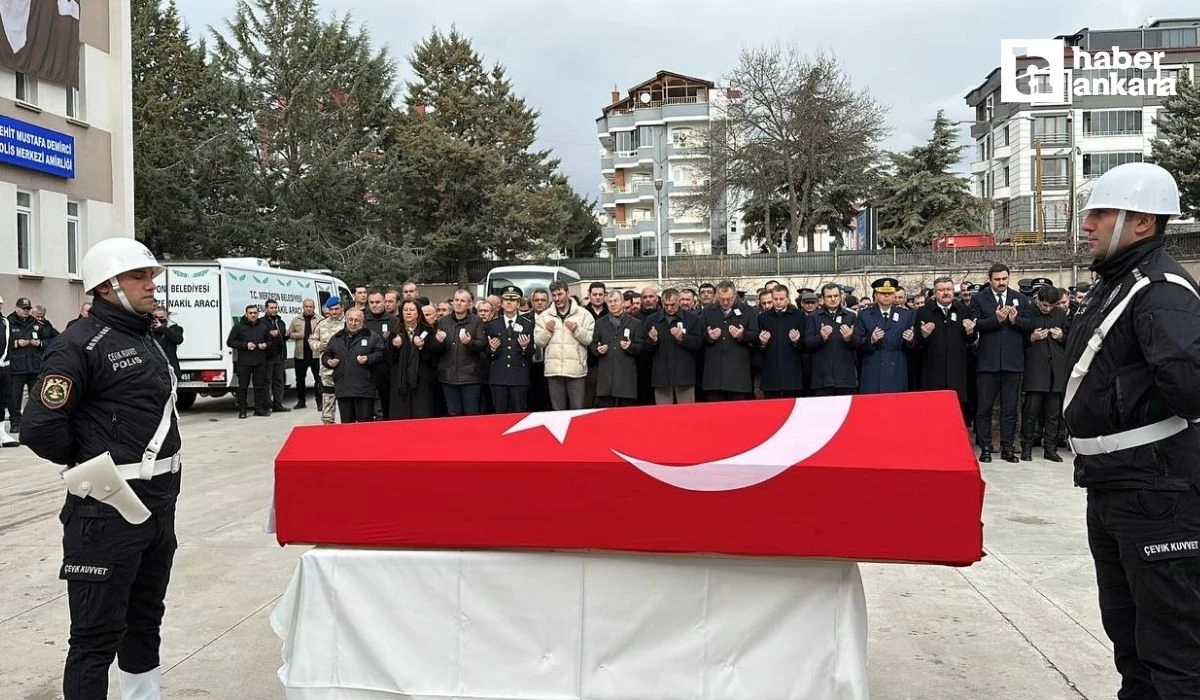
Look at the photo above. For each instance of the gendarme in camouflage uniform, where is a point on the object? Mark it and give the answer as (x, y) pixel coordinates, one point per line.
(328, 327)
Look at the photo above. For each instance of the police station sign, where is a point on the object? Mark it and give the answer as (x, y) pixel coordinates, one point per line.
(26, 145)
(1114, 72)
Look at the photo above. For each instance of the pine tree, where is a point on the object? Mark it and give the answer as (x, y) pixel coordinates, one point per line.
(1177, 145)
(190, 168)
(920, 198)
(473, 183)
(316, 107)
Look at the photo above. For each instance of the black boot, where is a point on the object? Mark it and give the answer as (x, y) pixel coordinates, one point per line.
(1027, 453)
(280, 408)
(242, 412)
(1009, 456)
(1050, 452)
(985, 455)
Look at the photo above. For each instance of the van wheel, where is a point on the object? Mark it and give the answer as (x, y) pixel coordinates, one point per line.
(185, 400)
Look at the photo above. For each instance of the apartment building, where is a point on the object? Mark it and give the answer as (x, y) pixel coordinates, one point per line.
(1063, 147)
(653, 170)
(66, 144)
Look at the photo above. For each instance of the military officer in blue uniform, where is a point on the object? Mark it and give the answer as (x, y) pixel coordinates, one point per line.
(509, 351)
(885, 334)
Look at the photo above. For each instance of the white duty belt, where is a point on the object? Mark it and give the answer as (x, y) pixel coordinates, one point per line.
(1107, 444)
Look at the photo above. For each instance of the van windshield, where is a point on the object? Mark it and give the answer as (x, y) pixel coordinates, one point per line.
(527, 282)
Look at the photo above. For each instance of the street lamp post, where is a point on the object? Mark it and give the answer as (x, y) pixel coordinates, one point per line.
(658, 185)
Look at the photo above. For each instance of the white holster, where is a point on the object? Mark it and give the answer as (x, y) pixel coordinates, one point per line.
(1107, 444)
(102, 479)
(98, 477)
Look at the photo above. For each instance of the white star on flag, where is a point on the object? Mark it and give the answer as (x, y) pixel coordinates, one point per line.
(557, 422)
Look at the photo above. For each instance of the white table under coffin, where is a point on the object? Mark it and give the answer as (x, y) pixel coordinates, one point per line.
(362, 624)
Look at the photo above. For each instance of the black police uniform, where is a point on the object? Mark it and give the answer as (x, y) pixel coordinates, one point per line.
(508, 375)
(103, 386)
(1143, 505)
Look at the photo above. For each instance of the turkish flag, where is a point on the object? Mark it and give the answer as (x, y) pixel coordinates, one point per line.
(838, 477)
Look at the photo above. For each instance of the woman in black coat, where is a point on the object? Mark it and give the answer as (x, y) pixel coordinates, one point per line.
(414, 366)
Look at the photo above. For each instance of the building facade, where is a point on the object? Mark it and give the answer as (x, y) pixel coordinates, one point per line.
(653, 169)
(1035, 162)
(66, 145)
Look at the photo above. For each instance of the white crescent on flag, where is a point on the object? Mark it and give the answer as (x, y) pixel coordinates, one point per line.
(809, 427)
(15, 15)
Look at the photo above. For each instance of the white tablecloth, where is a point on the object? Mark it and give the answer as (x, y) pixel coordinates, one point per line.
(361, 624)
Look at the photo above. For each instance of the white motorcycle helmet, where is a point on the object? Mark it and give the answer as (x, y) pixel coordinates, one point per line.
(114, 256)
(1143, 188)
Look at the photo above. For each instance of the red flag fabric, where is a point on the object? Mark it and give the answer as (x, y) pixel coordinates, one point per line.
(838, 477)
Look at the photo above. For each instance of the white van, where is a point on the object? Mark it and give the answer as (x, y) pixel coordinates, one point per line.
(527, 278)
(207, 298)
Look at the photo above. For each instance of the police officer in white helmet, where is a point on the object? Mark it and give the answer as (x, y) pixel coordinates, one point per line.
(103, 407)
(1131, 406)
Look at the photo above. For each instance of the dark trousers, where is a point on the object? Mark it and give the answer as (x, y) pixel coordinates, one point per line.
(833, 391)
(1045, 407)
(510, 399)
(383, 390)
(16, 394)
(117, 575)
(715, 396)
(278, 380)
(614, 402)
(783, 394)
(257, 373)
(1008, 386)
(539, 392)
(1147, 558)
(5, 390)
(462, 399)
(589, 386)
(303, 369)
(356, 410)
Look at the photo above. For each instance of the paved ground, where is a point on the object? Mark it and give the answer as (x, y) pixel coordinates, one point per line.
(1021, 624)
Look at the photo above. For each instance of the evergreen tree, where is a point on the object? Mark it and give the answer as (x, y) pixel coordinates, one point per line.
(920, 198)
(190, 168)
(1177, 145)
(473, 183)
(315, 103)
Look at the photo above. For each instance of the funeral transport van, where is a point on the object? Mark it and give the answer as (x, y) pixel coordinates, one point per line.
(206, 298)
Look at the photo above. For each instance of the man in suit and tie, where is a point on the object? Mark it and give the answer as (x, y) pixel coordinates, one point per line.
(1003, 321)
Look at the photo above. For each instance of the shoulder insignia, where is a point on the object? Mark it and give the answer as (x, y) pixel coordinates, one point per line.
(56, 391)
(96, 338)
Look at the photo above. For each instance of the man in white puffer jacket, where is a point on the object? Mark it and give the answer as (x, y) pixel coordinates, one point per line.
(563, 332)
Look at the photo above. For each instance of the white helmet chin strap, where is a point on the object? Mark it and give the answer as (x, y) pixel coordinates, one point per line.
(116, 286)
(1114, 239)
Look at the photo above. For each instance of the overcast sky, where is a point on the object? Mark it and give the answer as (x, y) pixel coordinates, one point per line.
(915, 57)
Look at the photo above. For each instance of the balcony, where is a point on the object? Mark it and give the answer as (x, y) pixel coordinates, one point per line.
(685, 188)
(677, 151)
(686, 224)
(979, 166)
(614, 122)
(1051, 140)
(1052, 182)
(606, 164)
(1002, 152)
(625, 159)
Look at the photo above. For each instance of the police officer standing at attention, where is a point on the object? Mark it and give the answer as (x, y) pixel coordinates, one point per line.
(1131, 406)
(104, 408)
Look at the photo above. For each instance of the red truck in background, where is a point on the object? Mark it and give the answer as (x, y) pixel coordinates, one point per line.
(964, 240)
